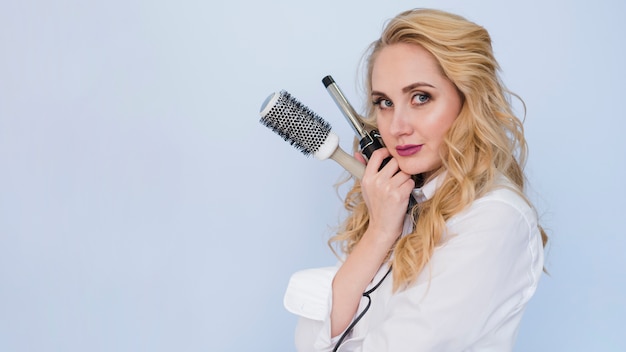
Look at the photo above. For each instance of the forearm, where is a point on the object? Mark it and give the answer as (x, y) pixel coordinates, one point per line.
(386, 193)
(353, 277)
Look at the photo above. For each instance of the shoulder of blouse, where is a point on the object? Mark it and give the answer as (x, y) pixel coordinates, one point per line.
(503, 195)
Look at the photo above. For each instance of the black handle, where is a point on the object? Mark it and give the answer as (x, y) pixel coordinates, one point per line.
(370, 143)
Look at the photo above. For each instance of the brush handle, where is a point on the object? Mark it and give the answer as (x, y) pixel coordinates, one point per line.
(348, 162)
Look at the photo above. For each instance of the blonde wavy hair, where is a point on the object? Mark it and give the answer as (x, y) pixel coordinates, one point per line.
(485, 139)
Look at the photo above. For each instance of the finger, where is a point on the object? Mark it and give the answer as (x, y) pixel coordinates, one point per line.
(388, 166)
(378, 157)
(402, 181)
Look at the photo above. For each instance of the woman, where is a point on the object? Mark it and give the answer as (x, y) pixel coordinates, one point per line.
(456, 271)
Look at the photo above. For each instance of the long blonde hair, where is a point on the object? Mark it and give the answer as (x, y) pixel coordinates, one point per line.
(485, 139)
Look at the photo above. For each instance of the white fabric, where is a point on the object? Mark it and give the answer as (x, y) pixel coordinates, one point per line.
(308, 292)
(470, 298)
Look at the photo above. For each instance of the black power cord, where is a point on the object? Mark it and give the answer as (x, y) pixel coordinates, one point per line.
(366, 294)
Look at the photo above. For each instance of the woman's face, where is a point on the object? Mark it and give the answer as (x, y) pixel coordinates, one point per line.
(415, 105)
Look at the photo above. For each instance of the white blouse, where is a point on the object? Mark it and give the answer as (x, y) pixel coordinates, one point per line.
(470, 297)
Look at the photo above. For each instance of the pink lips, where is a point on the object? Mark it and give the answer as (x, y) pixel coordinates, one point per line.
(408, 149)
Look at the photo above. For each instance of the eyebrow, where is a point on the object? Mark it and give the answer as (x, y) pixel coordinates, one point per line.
(408, 88)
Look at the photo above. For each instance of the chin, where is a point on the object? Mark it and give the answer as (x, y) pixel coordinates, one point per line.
(412, 170)
(416, 169)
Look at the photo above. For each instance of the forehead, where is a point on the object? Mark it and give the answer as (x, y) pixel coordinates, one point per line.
(398, 65)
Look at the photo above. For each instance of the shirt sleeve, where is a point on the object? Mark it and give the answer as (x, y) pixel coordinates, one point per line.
(475, 288)
(308, 296)
(308, 292)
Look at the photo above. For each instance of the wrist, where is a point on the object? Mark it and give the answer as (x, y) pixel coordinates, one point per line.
(380, 240)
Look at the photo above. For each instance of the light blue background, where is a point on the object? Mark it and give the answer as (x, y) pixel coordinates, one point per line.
(144, 208)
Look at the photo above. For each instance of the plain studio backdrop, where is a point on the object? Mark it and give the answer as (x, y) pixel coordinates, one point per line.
(143, 207)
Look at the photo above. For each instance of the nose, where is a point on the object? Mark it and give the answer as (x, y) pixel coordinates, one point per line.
(400, 123)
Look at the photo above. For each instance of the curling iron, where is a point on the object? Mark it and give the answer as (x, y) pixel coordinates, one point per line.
(369, 141)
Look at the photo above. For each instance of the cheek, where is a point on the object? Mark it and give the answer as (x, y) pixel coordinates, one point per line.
(442, 121)
(443, 126)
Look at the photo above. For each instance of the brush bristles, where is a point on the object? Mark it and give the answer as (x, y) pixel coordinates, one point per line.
(296, 123)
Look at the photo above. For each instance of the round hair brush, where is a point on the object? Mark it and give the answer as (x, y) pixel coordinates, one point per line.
(306, 131)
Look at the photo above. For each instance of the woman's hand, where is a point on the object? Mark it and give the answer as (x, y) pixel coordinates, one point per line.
(386, 194)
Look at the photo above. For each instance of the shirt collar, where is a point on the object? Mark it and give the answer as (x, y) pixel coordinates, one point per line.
(428, 189)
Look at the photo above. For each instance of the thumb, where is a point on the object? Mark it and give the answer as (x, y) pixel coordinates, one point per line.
(358, 156)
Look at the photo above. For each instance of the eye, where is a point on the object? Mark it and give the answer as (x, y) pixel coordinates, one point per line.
(421, 98)
(383, 103)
